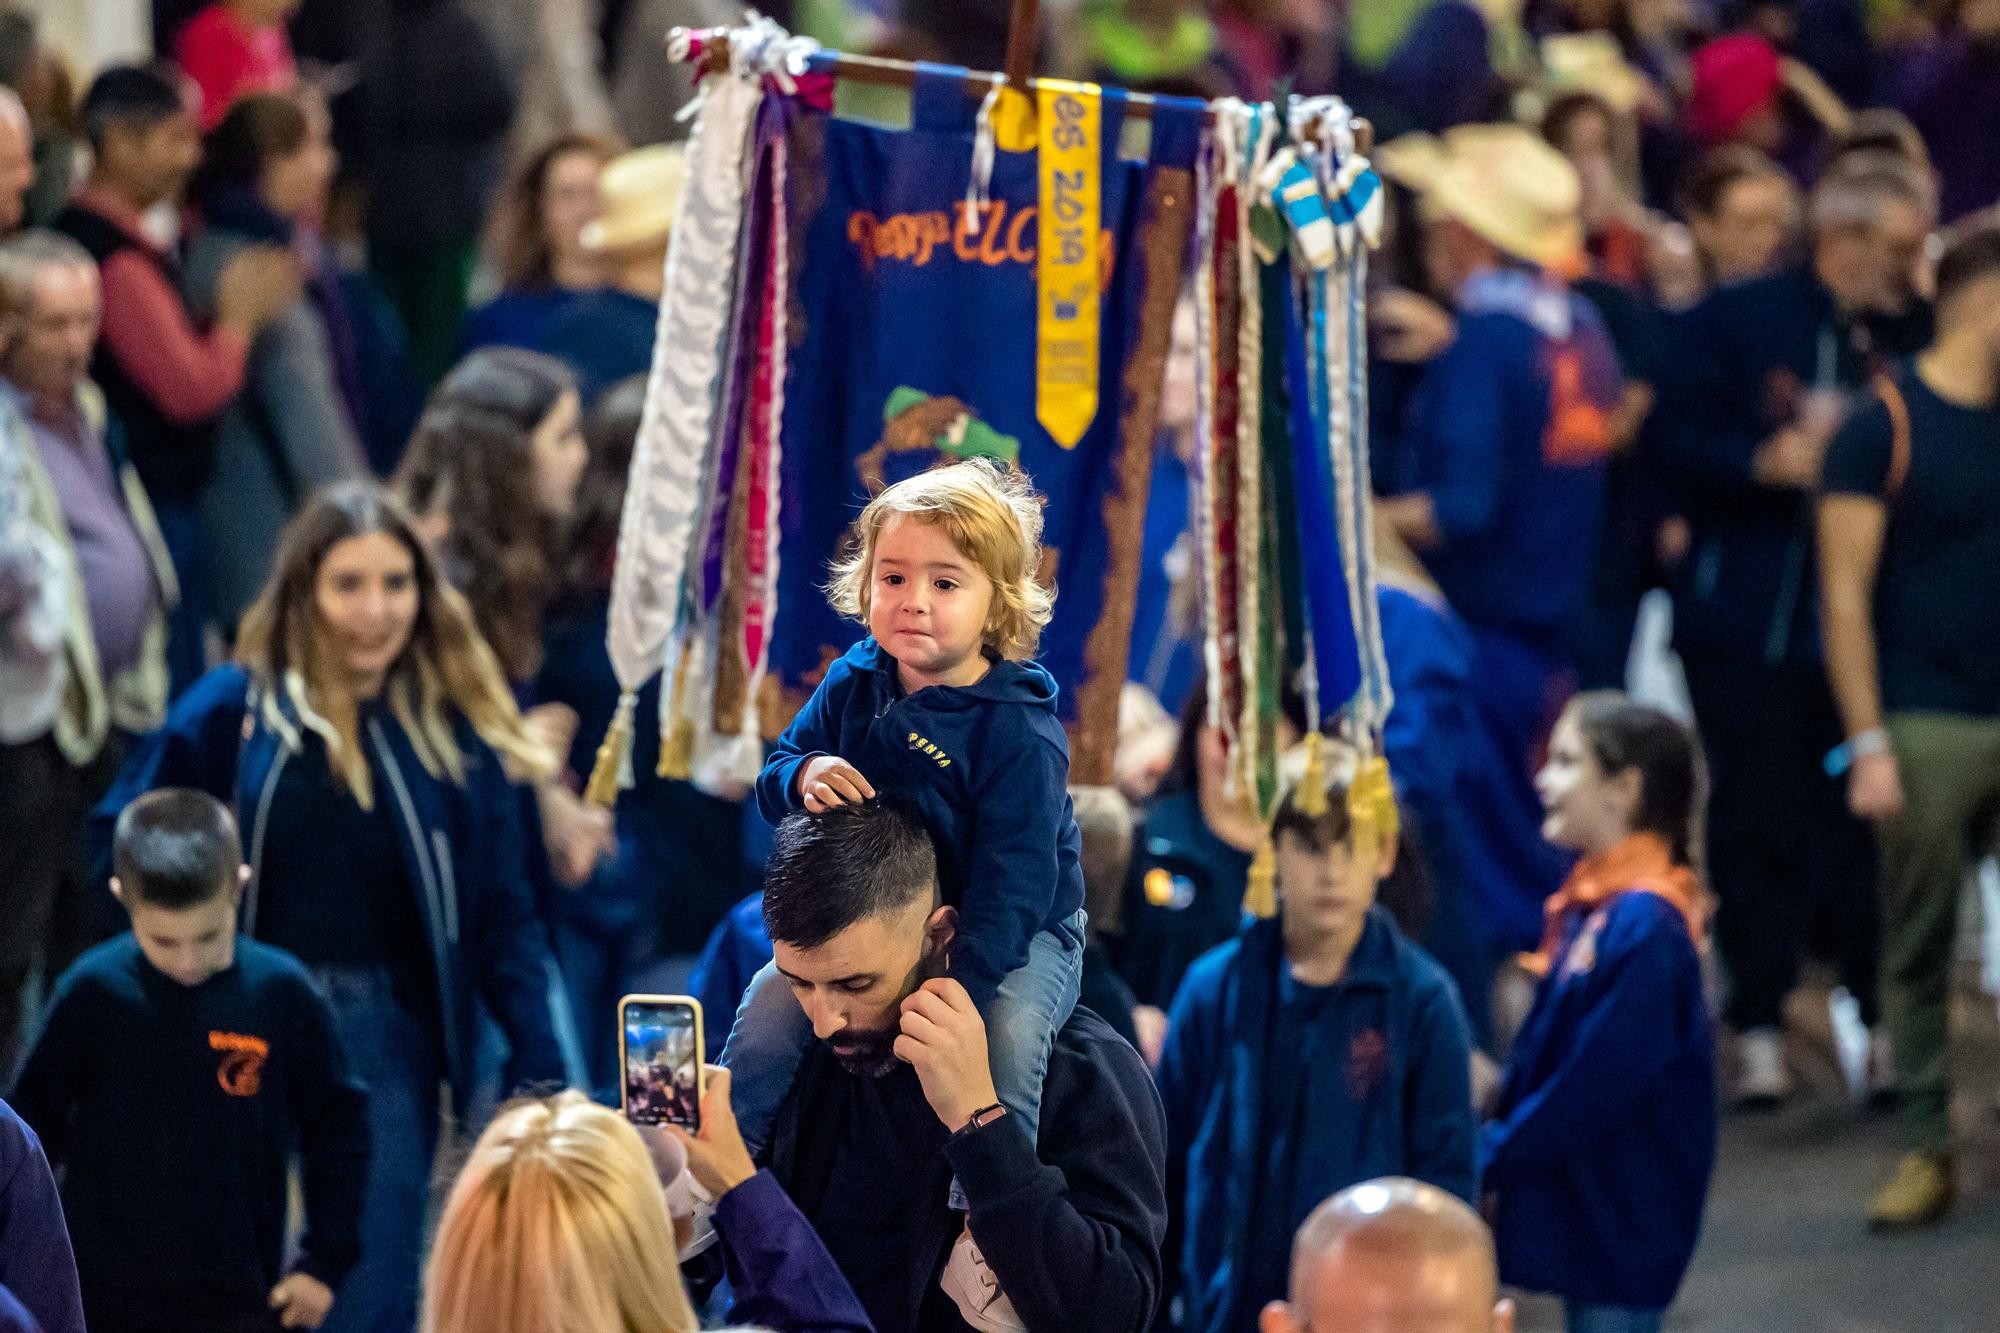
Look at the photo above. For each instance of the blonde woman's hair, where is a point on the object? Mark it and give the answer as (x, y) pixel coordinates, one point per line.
(556, 1225)
(445, 667)
(994, 518)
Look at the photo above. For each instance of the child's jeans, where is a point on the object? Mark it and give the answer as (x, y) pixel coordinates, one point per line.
(1580, 1317)
(773, 1034)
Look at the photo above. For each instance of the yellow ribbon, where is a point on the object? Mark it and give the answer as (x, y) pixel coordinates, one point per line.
(1069, 128)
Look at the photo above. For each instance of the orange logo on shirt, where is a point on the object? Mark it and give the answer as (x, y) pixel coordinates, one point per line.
(241, 1072)
(1579, 430)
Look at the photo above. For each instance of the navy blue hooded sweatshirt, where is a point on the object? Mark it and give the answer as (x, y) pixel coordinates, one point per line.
(1279, 1095)
(1600, 1155)
(985, 766)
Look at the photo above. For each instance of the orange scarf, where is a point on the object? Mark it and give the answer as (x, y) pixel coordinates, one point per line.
(1639, 864)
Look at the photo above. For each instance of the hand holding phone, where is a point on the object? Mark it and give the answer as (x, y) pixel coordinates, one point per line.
(659, 1059)
(715, 1155)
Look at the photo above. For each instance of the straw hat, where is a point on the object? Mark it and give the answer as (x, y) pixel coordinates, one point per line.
(1590, 62)
(641, 190)
(1502, 181)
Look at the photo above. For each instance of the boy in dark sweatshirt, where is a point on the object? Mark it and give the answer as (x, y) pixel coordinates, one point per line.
(940, 709)
(178, 1070)
(1314, 1051)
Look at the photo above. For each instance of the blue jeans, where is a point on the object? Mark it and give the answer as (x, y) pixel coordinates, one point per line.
(396, 1055)
(1581, 1317)
(773, 1034)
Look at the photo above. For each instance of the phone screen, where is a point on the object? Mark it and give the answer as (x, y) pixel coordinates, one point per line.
(660, 1048)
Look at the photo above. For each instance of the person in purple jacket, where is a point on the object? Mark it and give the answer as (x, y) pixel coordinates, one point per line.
(37, 1270)
(561, 1220)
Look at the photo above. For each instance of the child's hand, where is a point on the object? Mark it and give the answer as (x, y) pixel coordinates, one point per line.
(302, 1300)
(828, 781)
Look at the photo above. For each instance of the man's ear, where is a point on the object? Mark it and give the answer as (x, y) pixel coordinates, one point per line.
(940, 929)
(118, 892)
(1277, 1318)
(242, 883)
(1503, 1317)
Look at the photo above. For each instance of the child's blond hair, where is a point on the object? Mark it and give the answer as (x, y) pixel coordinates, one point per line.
(993, 517)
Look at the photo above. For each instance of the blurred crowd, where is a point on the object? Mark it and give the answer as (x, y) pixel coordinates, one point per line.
(323, 336)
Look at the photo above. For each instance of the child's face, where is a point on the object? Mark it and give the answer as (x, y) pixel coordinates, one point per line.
(1323, 893)
(1587, 809)
(190, 945)
(927, 603)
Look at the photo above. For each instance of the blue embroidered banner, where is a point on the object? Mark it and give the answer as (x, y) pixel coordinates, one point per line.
(914, 344)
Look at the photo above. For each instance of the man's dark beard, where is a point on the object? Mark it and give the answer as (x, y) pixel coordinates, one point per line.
(873, 1054)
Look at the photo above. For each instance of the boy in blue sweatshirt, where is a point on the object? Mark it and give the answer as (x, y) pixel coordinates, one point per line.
(1597, 1163)
(178, 1070)
(940, 709)
(1314, 1051)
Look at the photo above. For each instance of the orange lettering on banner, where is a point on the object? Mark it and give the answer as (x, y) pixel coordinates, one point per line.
(1005, 236)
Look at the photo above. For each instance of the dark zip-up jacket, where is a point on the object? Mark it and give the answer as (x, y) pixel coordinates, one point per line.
(461, 843)
(1746, 357)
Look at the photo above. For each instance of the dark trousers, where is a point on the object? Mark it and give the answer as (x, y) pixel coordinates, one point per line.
(48, 911)
(187, 623)
(1793, 869)
(1951, 818)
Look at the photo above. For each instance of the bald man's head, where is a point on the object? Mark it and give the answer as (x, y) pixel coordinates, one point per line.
(1392, 1256)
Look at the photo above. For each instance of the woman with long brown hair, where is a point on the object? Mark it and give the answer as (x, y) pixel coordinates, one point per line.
(492, 475)
(537, 246)
(368, 740)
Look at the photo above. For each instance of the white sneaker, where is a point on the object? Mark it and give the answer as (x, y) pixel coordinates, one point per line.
(973, 1288)
(688, 1202)
(1761, 1078)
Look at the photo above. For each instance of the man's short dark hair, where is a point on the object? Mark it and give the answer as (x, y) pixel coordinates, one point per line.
(176, 848)
(132, 96)
(1971, 253)
(829, 871)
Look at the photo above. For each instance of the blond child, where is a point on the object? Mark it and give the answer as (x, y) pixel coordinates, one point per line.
(939, 710)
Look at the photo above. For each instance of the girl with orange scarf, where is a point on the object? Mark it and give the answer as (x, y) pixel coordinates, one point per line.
(1596, 1166)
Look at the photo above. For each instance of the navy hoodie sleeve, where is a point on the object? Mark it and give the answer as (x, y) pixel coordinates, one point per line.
(1440, 1136)
(197, 746)
(511, 949)
(1015, 866)
(1074, 1240)
(779, 1270)
(814, 732)
(1461, 455)
(332, 1113)
(35, 1259)
(1644, 962)
(47, 1089)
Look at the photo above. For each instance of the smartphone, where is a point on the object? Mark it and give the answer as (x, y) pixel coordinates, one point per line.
(659, 1052)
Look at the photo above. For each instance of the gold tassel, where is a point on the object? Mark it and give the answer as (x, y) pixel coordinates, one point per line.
(677, 734)
(1311, 800)
(677, 751)
(1371, 808)
(1260, 893)
(614, 753)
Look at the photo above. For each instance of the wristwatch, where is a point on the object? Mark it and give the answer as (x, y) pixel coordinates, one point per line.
(981, 1118)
